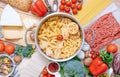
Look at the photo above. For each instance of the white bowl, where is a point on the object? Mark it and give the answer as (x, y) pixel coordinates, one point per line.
(5, 55)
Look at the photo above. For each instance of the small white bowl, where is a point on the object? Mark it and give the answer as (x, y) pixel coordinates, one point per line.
(57, 74)
(5, 55)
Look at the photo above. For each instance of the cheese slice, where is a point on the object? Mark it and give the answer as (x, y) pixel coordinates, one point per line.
(29, 23)
(12, 32)
(10, 17)
(91, 9)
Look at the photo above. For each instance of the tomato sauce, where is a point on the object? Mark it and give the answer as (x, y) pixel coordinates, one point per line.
(53, 67)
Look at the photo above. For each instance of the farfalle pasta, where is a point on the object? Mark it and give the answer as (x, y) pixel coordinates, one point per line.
(59, 49)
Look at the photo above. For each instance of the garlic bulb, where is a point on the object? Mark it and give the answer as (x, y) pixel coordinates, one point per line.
(86, 47)
(81, 55)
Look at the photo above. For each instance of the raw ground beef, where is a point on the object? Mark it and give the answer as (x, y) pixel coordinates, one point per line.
(103, 31)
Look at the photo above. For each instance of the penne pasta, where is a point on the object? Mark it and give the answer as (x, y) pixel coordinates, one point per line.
(55, 48)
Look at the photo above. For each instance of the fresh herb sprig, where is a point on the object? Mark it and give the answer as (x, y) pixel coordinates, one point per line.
(106, 57)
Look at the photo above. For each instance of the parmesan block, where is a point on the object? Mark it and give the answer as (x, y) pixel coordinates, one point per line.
(10, 17)
(12, 32)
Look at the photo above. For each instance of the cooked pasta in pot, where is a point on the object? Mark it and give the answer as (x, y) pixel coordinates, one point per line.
(59, 37)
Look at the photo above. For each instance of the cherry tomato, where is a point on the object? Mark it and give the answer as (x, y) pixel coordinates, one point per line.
(112, 48)
(79, 6)
(2, 46)
(60, 37)
(74, 1)
(93, 56)
(63, 2)
(44, 71)
(49, 75)
(9, 49)
(67, 9)
(73, 6)
(97, 53)
(74, 11)
(62, 7)
(91, 52)
(68, 3)
(45, 75)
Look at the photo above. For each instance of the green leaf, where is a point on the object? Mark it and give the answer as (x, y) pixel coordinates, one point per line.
(117, 75)
(76, 58)
(106, 57)
(86, 69)
(61, 70)
(90, 75)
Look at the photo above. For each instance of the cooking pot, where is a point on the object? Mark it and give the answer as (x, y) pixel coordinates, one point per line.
(63, 15)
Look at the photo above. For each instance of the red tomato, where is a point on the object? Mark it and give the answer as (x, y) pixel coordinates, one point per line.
(44, 76)
(79, 6)
(97, 53)
(68, 3)
(2, 46)
(62, 7)
(74, 11)
(60, 37)
(44, 71)
(36, 11)
(112, 48)
(73, 6)
(9, 49)
(93, 56)
(92, 52)
(49, 75)
(41, 6)
(67, 9)
(74, 1)
(63, 2)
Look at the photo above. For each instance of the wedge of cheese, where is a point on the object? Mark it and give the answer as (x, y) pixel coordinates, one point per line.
(12, 32)
(10, 17)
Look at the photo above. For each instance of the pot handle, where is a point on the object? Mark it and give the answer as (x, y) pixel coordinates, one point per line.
(31, 36)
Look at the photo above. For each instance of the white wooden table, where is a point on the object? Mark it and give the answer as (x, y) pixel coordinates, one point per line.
(33, 66)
